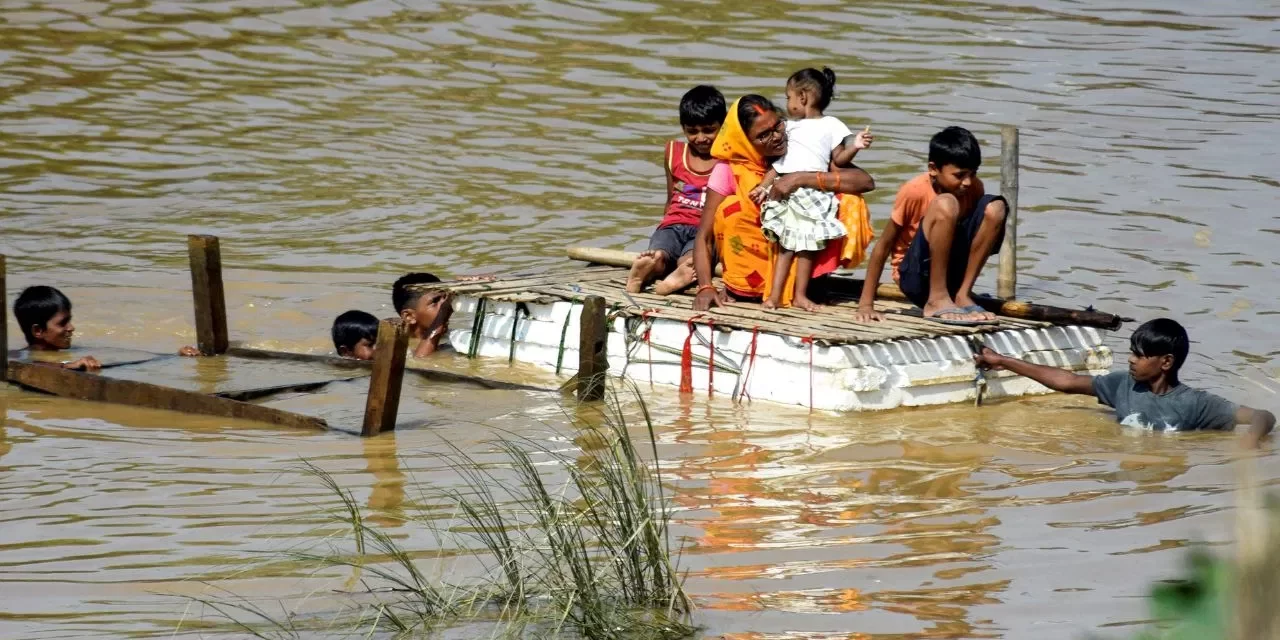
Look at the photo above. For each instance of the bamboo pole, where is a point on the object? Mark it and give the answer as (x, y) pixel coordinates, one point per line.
(4, 325)
(593, 360)
(388, 373)
(206, 288)
(1007, 281)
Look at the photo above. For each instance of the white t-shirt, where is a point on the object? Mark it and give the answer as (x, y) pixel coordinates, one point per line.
(810, 143)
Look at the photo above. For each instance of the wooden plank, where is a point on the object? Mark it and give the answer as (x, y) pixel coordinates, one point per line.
(87, 386)
(387, 379)
(437, 375)
(593, 360)
(206, 288)
(1007, 280)
(4, 325)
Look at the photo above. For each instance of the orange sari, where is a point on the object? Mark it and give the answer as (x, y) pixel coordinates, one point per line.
(746, 256)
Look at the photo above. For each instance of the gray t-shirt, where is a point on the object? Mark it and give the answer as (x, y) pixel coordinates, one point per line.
(1181, 409)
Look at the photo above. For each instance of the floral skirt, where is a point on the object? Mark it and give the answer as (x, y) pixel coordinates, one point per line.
(803, 222)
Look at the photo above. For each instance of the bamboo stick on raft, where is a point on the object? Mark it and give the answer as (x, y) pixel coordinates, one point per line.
(853, 287)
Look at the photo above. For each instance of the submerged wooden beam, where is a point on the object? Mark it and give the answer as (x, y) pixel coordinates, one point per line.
(387, 379)
(4, 326)
(87, 386)
(351, 363)
(1007, 280)
(593, 359)
(206, 288)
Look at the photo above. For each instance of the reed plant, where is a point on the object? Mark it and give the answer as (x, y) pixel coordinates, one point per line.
(574, 544)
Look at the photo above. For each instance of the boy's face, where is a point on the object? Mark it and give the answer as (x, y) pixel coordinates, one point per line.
(701, 137)
(55, 334)
(1149, 368)
(952, 179)
(424, 312)
(362, 351)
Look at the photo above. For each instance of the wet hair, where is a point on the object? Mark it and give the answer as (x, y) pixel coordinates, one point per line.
(955, 146)
(702, 105)
(752, 106)
(1161, 337)
(822, 83)
(353, 326)
(36, 306)
(402, 297)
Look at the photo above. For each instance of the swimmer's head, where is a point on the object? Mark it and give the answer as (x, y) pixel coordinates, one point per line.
(418, 309)
(44, 314)
(1158, 347)
(354, 334)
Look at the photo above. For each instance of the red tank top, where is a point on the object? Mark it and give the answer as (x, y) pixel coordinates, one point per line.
(688, 188)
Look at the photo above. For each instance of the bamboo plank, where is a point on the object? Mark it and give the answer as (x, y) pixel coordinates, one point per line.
(87, 386)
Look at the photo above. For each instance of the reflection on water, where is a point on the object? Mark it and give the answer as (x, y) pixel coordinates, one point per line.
(335, 145)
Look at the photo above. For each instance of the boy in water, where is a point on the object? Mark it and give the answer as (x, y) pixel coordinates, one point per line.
(1149, 394)
(942, 230)
(425, 313)
(688, 165)
(354, 334)
(44, 314)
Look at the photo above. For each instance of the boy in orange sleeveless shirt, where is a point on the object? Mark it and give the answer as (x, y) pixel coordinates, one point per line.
(689, 164)
(941, 232)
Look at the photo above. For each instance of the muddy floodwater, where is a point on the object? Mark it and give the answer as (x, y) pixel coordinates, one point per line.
(335, 145)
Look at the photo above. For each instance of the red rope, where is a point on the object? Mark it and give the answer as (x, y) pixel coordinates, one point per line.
(686, 362)
(809, 341)
(644, 317)
(751, 364)
(711, 362)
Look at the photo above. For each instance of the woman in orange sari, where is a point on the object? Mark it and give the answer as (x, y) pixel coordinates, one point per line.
(753, 136)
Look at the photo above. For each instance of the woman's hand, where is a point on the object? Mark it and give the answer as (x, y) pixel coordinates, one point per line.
(708, 297)
(783, 187)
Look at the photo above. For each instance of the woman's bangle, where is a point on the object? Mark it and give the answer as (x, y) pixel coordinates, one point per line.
(837, 187)
(821, 187)
(704, 288)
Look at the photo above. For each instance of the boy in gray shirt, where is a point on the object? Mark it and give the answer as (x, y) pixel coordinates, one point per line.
(1149, 394)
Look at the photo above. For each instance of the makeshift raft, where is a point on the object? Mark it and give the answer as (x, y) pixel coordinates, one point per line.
(823, 360)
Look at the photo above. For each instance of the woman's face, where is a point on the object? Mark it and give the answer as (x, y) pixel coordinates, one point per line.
(769, 135)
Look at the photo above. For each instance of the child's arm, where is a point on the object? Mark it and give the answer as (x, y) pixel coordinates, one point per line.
(843, 154)
(875, 267)
(1260, 422)
(761, 193)
(1052, 377)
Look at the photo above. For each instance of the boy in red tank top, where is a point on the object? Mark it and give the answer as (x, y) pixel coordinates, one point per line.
(688, 164)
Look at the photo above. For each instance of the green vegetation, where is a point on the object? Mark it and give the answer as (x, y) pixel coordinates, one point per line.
(578, 547)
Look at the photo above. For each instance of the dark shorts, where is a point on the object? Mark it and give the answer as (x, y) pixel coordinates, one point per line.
(674, 240)
(914, 271)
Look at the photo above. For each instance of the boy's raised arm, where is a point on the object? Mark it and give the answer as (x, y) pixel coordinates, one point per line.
(1052, 377)
(1260, 422)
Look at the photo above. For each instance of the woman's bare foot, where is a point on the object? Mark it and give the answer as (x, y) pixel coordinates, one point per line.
(643, 271)
(801, 302)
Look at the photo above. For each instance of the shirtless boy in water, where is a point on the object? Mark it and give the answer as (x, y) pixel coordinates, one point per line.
(688, 166)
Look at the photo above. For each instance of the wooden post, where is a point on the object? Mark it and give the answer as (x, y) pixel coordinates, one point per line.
(593, 359)
(388, 373)
(1007, 281)
(4, 326)
(206, 287)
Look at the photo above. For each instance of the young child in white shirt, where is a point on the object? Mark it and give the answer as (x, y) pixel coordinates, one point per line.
(803, 223)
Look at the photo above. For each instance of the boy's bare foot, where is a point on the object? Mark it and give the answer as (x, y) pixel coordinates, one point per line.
(801, 302)
(679, 279)
(643, 271)
(967, 301)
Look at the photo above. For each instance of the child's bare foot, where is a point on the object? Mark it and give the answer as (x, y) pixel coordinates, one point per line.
(643, 270)
(801, 302)
(768, 304)
(679, 279)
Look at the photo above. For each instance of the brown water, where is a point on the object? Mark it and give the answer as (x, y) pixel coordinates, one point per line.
(333, 146)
